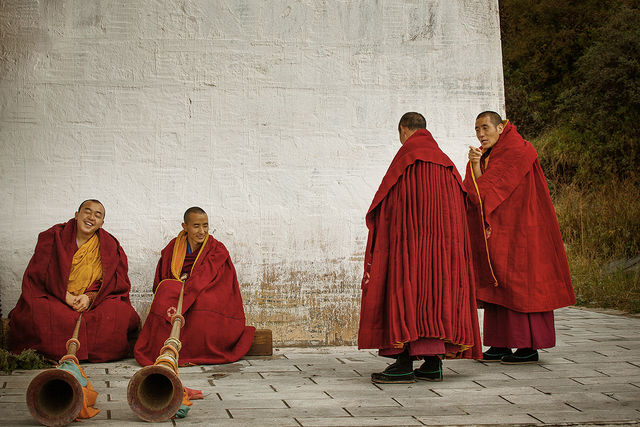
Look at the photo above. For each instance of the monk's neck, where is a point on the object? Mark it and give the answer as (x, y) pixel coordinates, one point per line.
(82, 238)
(194, 246)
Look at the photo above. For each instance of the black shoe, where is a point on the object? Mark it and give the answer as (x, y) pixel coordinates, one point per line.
(431, 370)
(397, 373)
(522, 355)
(495, 354)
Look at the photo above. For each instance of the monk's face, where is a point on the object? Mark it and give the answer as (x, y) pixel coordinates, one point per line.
(89, 218)
(197, 228)
(487, 133)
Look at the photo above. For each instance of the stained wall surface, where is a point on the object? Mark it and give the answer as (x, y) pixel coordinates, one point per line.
(278, 117)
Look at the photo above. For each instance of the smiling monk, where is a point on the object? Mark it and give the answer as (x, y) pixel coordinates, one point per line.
(214, 330)
(77, 267)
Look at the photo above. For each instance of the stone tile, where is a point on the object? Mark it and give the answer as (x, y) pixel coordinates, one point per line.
(618, 379)
(360, 421)
(497, 419)
(322, 412)
(399, 411)
(314, 395)
(587, 417)
(514, 409)
(252, 404)
(342, 403)
(478, 399)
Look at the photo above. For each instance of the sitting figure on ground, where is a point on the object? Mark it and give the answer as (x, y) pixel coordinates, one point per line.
(214, 329)
(418, 297)
(522, 268)
(77, 267)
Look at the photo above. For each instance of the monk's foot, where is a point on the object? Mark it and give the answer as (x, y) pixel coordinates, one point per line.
(522, 355)
(400, 372)
(495, 354)
(430, 370)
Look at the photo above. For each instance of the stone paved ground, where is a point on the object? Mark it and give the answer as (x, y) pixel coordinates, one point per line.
(592, 377)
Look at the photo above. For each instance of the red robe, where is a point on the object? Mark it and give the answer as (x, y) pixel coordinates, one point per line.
(418, 255)
(523, 265)
(214, 329)
(43, 321)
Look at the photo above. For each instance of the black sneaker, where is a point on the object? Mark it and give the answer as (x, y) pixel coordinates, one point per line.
(495, 354)
(521, 356)
(396, 373)
(429, 371)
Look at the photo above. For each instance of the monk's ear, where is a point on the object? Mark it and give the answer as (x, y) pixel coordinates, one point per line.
(76, 216)
(184, 227)
(500, 128)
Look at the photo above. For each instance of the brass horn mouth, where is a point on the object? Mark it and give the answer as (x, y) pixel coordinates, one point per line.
(54, 397)
(155, 393)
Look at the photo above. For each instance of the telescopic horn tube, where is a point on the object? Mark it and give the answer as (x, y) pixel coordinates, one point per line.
(155, 392)
(54, 396)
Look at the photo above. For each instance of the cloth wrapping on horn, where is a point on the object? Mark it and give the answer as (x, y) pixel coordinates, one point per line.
(89, 395)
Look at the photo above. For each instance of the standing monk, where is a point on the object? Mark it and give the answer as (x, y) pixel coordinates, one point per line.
(77, 267)
(522, 268)
(418, 299)
(214, 329)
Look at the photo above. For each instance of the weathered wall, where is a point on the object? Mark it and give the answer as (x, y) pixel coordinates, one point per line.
(277, 117)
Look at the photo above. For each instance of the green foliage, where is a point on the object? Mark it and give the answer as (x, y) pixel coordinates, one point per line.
(572, 84)
(28, 359)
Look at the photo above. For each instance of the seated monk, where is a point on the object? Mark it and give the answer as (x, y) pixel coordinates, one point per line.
(214, 330)
(77, 267)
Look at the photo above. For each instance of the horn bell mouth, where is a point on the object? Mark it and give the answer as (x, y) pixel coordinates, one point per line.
(54, 397)
(155, 393)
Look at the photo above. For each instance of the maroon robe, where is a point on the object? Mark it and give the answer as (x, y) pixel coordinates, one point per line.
(522, 264)
(42, 320)
(214, 329)
(418, 256)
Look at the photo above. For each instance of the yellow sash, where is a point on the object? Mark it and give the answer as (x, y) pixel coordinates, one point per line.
(86, 267)
(180, 251)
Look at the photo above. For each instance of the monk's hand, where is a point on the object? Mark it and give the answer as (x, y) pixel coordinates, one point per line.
(70, 299)
(82, 303)
(365, 279)
(474, 154)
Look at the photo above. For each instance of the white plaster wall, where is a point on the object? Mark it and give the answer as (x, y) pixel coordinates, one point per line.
(277, 117)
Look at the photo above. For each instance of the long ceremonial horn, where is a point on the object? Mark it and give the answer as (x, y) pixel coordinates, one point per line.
(155, 392)
(54, 396)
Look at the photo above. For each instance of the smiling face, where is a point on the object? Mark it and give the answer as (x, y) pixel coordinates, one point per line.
(89, 218)
(197, 229)
(487, 132)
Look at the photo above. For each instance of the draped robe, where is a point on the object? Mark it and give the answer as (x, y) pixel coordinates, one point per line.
(418, 255)
(214, 330)
(520, 258)
(43, 321)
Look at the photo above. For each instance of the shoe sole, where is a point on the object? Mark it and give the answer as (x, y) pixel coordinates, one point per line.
(393, 382)
(434, 380)
(489, 361)
(525, 362)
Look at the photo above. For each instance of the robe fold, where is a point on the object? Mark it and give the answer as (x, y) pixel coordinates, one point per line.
(214, 330)
(418, 256)
(43, 321)
(520, 258)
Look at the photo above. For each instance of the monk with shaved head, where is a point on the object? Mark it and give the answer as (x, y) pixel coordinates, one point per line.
(520, 260)
(77, 267)
(214, 329)
(418, 300)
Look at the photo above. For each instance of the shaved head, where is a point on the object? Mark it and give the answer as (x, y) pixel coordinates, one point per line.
(412, 121)
(493, 117)
(192, 210)
(94, 201)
